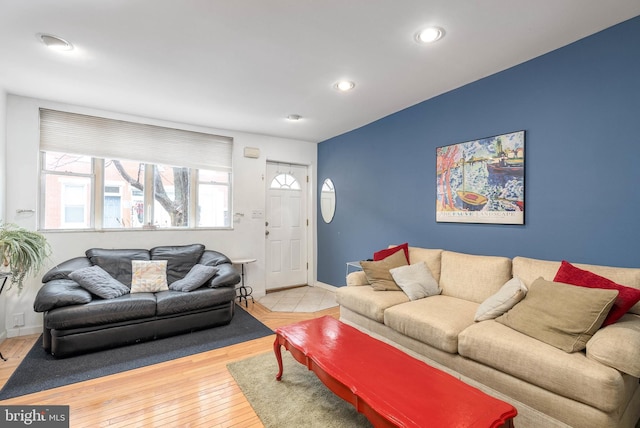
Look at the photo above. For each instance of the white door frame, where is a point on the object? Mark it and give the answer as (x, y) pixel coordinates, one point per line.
(306, 187)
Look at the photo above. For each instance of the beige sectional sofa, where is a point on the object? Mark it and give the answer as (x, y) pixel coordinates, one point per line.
(597, 387)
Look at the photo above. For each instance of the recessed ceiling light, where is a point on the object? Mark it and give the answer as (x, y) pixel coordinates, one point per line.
(345, 85)
(429, 35)
(294, 117)
(55, 42)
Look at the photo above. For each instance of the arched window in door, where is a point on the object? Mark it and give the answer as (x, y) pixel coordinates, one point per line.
(285, 182)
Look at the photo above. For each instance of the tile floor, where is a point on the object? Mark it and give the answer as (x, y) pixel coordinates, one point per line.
(301, 299)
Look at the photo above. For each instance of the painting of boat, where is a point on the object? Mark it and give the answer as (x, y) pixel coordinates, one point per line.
(505, 168)
(472, 201)
(481, 181)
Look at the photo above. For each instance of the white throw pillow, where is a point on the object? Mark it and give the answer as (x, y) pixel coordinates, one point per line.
(506, 298)
(415, 280)
(148, 276)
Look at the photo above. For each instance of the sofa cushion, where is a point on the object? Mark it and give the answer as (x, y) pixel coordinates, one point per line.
(415, 280)
(60, 292)
(562, 315)
(436, 320)
(383, 254)
(368, 302)
(180, 259)
(97, 281)
(378, 273)
(506, 298)
(149, 276)
(627, 296)
(432, 257)
(103, 311)
(471, 277)
(116, 262)
(569, 375)
(176, 302)
(197, 277)
(617, 345)
(529, 270)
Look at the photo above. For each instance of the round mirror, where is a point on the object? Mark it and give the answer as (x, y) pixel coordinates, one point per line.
(328, 200)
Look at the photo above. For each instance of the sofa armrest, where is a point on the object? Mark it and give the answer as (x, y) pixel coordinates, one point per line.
(213, 258)
(227, 276)
(357, 278)
(58, 293)
(63, 270)
(618, 345)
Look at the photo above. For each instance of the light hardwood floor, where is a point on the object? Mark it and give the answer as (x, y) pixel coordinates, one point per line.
(194, 391)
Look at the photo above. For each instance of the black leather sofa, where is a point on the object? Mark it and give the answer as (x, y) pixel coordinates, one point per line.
(77, 321)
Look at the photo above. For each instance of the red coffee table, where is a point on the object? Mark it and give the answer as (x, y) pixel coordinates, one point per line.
(388, 386)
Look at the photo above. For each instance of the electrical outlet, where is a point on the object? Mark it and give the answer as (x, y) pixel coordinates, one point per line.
(18, 320)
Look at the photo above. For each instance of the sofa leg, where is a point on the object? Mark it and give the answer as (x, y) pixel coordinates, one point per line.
(46, 339)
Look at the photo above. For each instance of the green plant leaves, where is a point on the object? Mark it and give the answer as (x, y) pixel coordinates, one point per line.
(23, 251)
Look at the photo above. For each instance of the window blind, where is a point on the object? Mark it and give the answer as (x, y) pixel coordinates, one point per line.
(109, 138)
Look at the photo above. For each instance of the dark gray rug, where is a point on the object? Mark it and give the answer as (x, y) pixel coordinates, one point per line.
(39, 371)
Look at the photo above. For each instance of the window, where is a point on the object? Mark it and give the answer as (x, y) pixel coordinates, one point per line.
(172, 202)
(88, 180)
(213, 203)
(74, 203)
(66, 191)
(285, 181)
(124, 195)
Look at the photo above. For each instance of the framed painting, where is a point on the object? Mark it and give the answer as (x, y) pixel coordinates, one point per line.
(481, 181)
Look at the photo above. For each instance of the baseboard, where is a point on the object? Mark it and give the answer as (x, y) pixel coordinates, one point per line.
(326, 286)
(24, 331)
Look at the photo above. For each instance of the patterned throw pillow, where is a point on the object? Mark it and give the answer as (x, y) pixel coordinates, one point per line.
(148, 276)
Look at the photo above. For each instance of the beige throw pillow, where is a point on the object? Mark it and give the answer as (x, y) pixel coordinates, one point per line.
(415, 280)
(506, 298)
(378, 273)
(148, 276)
(562, 315)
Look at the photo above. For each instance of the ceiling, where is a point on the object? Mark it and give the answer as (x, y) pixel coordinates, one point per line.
(246, 64)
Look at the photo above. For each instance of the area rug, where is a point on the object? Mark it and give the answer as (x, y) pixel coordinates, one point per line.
(300, 399)
(40, 371)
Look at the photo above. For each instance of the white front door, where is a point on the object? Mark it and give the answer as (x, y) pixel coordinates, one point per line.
(286, 225)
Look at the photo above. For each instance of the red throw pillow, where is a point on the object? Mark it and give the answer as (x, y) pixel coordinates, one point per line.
(383, 254)
(627, 296)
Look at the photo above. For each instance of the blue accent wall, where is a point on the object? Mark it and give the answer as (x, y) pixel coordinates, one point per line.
(580, 108)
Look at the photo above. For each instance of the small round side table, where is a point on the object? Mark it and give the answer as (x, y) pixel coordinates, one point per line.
(244, 292)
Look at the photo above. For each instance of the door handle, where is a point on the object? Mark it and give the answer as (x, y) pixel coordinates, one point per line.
(266, 233)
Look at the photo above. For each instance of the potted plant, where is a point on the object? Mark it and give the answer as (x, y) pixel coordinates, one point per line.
(23, 252)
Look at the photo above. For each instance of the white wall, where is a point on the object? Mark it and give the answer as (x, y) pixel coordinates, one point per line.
(3, 166)
(249, 190)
